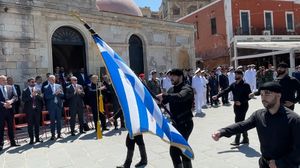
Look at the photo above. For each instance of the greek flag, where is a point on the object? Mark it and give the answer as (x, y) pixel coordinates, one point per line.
(142, 115)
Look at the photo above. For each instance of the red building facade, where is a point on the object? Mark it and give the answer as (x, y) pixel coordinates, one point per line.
(225, 24)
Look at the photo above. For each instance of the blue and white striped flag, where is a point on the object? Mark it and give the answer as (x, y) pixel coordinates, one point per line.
(142, 115)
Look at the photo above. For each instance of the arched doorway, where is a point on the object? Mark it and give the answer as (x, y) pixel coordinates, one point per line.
(68, 49)
(136, 56)
(183, 60)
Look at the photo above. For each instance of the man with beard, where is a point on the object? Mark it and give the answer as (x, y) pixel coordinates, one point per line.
(241, 95)
(277, 128)
(291, 86)
(180, 97)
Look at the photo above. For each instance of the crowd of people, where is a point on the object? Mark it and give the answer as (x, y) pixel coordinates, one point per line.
(180, 91)
(58, 91)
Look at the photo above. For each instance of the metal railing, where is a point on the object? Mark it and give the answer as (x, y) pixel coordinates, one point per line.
(262, 31)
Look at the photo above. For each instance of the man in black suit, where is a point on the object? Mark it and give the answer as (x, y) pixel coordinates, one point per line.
(74, 95)
(33, 106)
(7, 103)
(17, 91)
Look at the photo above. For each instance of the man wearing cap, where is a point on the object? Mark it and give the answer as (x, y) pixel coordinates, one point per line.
(277, 128)
(180, 97)
(231, 79)
(142, 78)
(154, 84)
(241, 95)
(253, 75)
(198, 91)
(291, 86)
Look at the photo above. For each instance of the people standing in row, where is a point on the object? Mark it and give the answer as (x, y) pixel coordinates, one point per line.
(33, 107)
(74, 95)
(241, 95)
(277, 128)
(7, 101)
(53, 94)
(180, 97)
(291, 92)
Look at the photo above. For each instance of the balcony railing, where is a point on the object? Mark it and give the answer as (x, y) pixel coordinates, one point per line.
(262, 31)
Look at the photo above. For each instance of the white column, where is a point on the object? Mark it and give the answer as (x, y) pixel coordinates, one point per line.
(274, 61)
(292, 59)
(235, 55)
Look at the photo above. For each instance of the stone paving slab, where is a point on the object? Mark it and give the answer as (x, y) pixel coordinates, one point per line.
(85, 151)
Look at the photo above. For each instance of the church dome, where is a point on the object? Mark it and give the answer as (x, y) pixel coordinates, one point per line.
(127, 7)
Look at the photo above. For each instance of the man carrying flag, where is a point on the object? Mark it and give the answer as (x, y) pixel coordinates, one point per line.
(142, 114)
(180, 97)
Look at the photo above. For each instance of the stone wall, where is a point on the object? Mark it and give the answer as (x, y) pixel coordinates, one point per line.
(26, 30)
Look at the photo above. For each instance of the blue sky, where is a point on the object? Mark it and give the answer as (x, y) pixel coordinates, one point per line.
(153, 4)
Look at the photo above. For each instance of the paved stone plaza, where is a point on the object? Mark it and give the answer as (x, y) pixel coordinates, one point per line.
(85, 151)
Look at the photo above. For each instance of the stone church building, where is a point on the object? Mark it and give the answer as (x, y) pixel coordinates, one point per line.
(38, 35)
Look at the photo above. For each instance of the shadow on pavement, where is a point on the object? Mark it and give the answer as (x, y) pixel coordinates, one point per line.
(114, 132)
(246, 149)
(201, 115)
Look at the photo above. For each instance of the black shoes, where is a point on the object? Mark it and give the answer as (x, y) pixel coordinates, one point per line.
(235, 143)
(82, 132)
(1, 148)
(59, 136)
(105, 129)
(31, 142)
(14, 144)
(245, 141)
(73, 134)
(52, 137)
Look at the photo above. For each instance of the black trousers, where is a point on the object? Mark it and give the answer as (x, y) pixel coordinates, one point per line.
(207, 96)
(79, 112)
(8, 117)
(212, 93)
(185, 129)
(136, 140)
(240, 114)
(33, 120)
(101, 116)
(225, 97)
(116, 107)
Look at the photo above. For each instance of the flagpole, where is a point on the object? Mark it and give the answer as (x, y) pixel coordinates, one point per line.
(74, 13)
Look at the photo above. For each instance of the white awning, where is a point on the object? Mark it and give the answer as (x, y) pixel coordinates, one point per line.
(269, 45)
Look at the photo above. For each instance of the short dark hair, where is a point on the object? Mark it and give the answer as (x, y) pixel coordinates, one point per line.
(9, 78)
(38, 77)
(30, 79)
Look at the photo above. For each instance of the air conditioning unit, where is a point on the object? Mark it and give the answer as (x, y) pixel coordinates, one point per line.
(267, 32)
